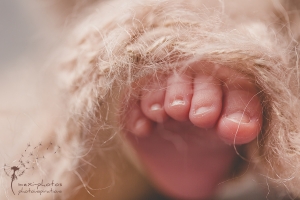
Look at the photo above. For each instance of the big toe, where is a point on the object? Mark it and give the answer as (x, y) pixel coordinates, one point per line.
(241, 117)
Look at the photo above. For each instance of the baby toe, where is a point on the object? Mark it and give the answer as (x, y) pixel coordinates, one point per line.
(241, 118)
(137, 123)
(206, 102)
(178, 96)
(152, 102)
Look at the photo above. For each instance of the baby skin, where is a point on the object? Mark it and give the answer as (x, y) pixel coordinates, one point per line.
(186, 127)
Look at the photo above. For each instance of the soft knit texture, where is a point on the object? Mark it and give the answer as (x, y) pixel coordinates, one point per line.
(110, 52)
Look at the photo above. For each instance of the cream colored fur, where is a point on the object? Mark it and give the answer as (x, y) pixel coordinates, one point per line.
(107, 53)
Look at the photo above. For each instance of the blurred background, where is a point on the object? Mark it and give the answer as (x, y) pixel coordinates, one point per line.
(17, 31)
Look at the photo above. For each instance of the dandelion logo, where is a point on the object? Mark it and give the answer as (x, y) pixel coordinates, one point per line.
(14, 172)
(29, 160)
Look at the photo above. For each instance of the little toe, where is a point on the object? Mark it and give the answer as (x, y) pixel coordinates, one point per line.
(241, 118)
(178, 96)
(206, 102)
(137, 123)
(152, 102)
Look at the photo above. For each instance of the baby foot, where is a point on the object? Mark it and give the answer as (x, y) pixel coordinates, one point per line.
(228, 104)
(182, 125)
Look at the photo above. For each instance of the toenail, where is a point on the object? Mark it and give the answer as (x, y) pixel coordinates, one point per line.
(177, 103)
(155, 107)
(239, 117)
(202, 110)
